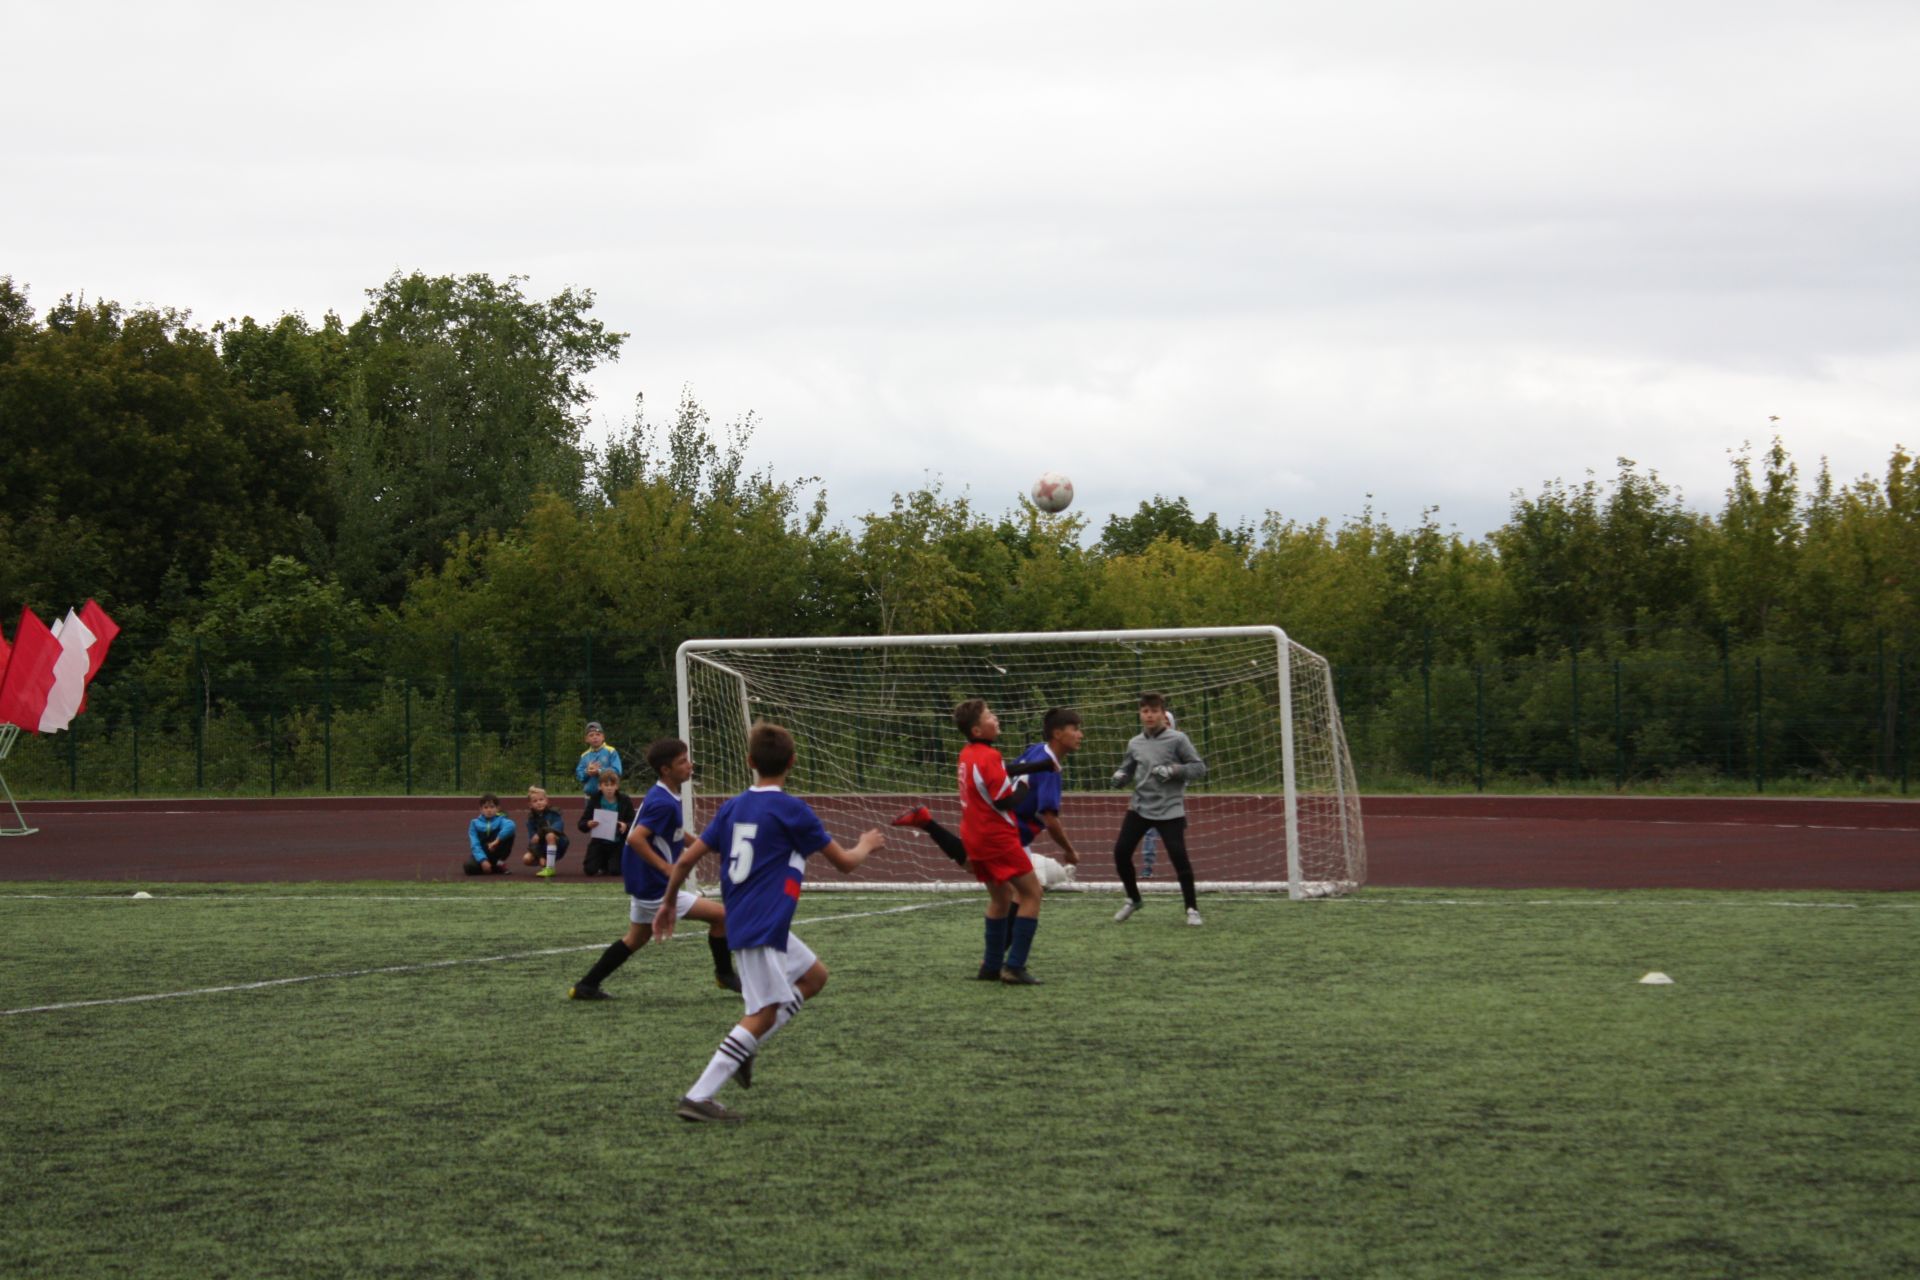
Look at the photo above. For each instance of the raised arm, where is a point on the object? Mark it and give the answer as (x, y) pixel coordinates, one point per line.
(845, 860)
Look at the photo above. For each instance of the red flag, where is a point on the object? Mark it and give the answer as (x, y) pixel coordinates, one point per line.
(104, 630)
(29, 678)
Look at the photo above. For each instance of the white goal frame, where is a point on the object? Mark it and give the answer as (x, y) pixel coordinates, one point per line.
(1344, 797)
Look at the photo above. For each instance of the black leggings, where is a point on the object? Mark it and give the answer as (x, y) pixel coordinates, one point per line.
(1173, 834)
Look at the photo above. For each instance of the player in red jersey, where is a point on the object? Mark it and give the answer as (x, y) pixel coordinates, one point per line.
(991, 836)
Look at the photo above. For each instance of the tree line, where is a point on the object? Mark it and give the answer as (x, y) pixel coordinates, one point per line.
(298, 523)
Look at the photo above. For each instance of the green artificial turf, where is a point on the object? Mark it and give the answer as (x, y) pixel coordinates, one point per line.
(1401, 1084)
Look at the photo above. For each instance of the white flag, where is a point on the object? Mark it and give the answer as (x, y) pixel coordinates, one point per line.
(69, 673)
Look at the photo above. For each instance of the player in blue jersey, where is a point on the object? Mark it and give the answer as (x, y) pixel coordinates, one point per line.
(1039, 810)
(656, 842)
(766, 837)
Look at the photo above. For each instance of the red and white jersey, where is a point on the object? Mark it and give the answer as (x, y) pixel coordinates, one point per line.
(983, 779)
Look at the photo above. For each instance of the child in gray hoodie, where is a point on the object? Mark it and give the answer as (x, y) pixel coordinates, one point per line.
(1160, 762)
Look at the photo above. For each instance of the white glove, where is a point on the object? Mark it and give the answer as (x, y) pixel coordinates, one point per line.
(1165, 771)
(1119, 777)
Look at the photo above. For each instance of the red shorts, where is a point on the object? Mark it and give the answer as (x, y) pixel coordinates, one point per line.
(998, 857)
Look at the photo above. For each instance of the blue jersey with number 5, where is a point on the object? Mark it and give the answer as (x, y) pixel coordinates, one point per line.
(764, 837)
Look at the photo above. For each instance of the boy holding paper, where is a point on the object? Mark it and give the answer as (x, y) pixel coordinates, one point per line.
(607, 819)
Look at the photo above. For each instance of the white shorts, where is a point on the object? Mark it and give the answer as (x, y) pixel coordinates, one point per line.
(767, 974)
(641, 910)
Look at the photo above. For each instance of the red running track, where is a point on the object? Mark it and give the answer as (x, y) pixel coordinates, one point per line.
(1506, 842)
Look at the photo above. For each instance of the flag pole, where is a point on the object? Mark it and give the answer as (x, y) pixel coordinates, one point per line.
(8, 732)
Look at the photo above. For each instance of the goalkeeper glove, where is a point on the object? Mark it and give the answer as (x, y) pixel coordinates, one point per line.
(1165, 771)
(1119, 777)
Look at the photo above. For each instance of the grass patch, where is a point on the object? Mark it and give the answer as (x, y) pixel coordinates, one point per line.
(1398, 1085)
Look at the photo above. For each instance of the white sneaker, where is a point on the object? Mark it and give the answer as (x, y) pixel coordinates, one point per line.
(1193, 916)
(1126, 909)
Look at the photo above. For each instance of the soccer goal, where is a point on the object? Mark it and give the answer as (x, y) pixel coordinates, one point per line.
(873, 720)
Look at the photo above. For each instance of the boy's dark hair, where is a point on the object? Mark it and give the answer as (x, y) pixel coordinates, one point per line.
(1158, 701)
(665, 752)
(968, 714)
(491, 799)
(770, 750)
(1057, 719)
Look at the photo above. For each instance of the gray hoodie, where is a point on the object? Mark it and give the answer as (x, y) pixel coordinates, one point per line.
(1160, 797)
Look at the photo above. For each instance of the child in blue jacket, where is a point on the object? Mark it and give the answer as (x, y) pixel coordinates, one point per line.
(489, 840)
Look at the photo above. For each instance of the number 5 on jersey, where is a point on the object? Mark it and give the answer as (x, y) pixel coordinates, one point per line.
(740, 857)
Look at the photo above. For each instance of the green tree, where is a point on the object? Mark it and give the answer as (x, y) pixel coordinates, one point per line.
(470, 398)
(1162, 517)
(133, 455)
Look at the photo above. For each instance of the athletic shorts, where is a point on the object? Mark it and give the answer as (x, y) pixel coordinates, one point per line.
(642, 910)
(1001, 861)
(768, 974)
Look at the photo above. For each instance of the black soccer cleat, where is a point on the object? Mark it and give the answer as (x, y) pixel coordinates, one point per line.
(584, 992)
(727, 982)
(988, 973)
(1018, 977)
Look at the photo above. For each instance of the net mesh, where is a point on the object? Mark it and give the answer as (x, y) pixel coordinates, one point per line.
(876, 736)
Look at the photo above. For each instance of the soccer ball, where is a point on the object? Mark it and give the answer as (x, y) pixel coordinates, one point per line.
(1053, 492)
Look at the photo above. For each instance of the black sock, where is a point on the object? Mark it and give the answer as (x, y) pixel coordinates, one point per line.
(722, 958)
(610, 959)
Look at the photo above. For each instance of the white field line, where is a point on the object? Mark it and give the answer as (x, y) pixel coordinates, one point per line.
(1640, 822)
(405, 968)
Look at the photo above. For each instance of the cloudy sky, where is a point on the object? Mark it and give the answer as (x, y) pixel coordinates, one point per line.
(1275, 256)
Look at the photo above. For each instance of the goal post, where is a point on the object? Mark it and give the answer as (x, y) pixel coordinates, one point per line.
(872, 717)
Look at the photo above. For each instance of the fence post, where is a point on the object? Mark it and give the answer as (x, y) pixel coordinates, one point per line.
(589, 706)
(73, 758)
(1619, 735)
(1426, 702)
(1726, 698)
(326, 734)
(406, 698)
(1900, 734)
(1479, 728)
(1881, 713)
(273, 774)
(457, 727)
(1759, 731)
(138, 692)
(1576, 704)
(199, 722)
(543, 737)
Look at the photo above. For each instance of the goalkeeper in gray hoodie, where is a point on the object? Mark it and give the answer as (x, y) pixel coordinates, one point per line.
(1160, 762)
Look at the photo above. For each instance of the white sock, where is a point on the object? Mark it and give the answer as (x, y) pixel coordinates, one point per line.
(550, 857)
(734, 1050)
(785, 1015)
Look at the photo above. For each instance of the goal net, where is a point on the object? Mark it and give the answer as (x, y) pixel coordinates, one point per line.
(873, 720)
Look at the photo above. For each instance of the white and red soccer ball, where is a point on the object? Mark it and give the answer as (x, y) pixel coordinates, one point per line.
(1053, 492)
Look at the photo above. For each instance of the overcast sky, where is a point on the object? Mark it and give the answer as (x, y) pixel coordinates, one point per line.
(1266, 256)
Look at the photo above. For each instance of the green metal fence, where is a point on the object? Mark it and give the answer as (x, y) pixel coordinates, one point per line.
(460, 713)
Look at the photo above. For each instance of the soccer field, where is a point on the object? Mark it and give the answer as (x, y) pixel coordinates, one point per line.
(1398, 1084)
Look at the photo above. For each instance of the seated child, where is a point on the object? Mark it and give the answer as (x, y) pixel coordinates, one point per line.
(489, 840)
(547, 838)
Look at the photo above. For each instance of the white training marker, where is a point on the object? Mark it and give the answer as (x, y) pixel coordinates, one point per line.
(1656, 980)
(143, 894)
